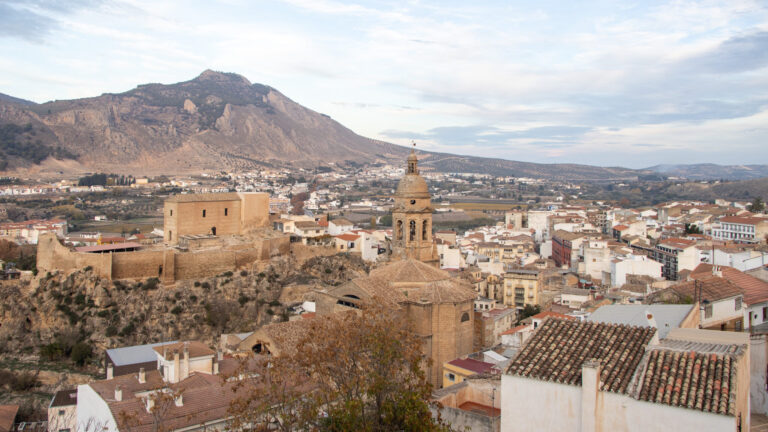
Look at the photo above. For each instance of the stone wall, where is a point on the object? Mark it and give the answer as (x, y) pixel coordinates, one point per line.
(169, 264)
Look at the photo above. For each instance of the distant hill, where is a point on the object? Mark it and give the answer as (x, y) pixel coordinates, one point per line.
(11, 99)
(712, 171)
(220, 121)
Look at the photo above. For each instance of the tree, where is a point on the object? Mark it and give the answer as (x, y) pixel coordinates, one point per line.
(360, 371)
(692, 229)
(528, 311)
(757, 206)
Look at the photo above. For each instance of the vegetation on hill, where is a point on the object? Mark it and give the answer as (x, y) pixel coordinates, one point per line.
(20, 142)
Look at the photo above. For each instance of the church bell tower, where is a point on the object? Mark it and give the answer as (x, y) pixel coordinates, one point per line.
(412, 216)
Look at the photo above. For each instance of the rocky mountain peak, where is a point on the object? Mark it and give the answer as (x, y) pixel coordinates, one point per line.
(222, 77)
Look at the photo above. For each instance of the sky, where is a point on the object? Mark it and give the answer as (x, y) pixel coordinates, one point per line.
(609, 83)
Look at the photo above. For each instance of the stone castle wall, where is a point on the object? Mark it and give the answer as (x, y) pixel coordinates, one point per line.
(169, 265)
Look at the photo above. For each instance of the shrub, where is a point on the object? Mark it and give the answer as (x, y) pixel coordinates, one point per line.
(193, 298)
(328, 271)
(24, 381)
(80, 299)
(243, 273)
(227, 274)
(102, 313)
(275, 303)
(110, 331)
(81, 353)
(270, 312)
(177, 295)
(127, 330)
(151, 284)
(206, 285)
(197, 283)
(243, 299)
(52, 352)
(88, 268)
(177, 310)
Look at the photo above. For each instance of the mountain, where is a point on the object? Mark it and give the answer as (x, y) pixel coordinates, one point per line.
(712, 171)
(216, 121)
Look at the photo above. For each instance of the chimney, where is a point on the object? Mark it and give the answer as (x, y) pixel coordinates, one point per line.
(176, 366)
(179, 400)
(110, 371)
(717, 271)
(215, 367)
(590, 386)
(652, 323)
(142, 376)
(185, 367)
(150, 403)
(219, 355)
(118, 393)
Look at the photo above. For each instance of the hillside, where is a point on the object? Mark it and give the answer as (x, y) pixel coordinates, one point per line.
(220, 121)
(712, 171)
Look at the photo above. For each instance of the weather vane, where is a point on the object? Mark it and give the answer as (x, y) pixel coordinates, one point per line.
(414, 144)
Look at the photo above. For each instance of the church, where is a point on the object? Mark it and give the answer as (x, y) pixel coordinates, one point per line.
(439, 304)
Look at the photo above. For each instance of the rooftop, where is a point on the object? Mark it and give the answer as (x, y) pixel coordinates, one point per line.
(134, 354)
(476, 366)
(226, 196)
(559, 348)
(754, 289)
(666, 316)
(713, 288)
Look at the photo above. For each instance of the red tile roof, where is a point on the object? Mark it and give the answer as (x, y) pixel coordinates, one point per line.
(743, 220)
(473, 365)
(347, 237)
(514, 330)
(108, 247)
(621, 227)
(550, 314)
(7, 416)
(754, 290)
(712, 288)
(688, 379)
(559, 348)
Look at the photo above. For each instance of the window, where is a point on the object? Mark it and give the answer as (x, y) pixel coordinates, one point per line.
(203, 213)
(708, 311)
(464, 317)
(170, 235)
(171, 212)
(226, 211)
(765, 313)
(737, 303)
(451, 377)
(62, 412)
(412, 235)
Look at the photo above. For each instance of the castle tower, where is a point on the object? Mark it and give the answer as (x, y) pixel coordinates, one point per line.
(412, 217)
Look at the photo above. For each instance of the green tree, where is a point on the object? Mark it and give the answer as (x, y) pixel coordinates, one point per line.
(528, 311)
(757, 206)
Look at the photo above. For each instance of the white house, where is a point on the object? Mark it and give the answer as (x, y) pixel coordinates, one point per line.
(339, 226)
(632, 264)
(582, 376)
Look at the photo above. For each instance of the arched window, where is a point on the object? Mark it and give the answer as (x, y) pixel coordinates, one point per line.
(399, 231)
(424, 231)
(464, 317)
(413, 230)
(348, 303)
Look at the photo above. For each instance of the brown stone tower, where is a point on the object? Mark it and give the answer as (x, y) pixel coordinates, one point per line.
(412, 217)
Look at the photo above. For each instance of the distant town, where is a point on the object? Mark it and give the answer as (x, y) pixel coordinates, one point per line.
(164, 303)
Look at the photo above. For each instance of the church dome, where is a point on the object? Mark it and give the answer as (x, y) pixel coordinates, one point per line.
(412, 186)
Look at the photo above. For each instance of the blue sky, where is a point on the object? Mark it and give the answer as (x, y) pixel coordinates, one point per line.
(628, 83)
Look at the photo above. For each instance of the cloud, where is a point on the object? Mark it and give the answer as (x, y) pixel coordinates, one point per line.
(34, 20)
(737, 54)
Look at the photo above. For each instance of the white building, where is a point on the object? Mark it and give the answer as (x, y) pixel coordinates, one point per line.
(632, 264)
(574, 376)
(741, 229)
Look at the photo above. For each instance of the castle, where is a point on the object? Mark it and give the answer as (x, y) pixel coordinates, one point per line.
(205, 235)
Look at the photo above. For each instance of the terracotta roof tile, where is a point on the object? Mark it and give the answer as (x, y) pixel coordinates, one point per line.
(712, 288)
(559, 348)
(704, 381)
(754, 290)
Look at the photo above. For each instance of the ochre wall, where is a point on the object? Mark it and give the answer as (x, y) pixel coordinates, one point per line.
(188, 218)
(52, 255)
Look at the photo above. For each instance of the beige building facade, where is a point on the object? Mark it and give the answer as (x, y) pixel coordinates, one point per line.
(220, 214)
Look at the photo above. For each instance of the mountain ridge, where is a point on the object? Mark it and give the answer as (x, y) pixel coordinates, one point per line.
(221, 121)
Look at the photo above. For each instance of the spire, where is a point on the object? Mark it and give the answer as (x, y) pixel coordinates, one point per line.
(413, 162)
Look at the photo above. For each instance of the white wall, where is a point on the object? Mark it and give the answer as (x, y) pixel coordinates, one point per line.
(636, 265)
(93, 413)
(758, 358)
(722, 310)
(533, 405)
